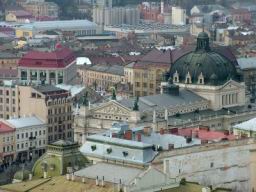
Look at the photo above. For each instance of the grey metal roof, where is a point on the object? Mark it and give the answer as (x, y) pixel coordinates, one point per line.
(117, 141)
(25, 122)
(111, 173)
(130, 65)
(47, 88)
(166, 139)
(247, 125)
(163, 100)
(137, 152)
(112, 69)
(61, 25)
(204, 114)
(247, 63)
(7, 55)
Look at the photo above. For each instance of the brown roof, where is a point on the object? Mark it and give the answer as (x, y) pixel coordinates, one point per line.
(163, 58)
(239, 11)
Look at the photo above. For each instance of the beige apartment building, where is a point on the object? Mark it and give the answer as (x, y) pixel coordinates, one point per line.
(9, 97)
(102, 76)
(49, 103)
(52, 105)
(8, 60)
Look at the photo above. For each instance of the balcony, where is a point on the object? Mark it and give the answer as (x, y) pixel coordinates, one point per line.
(32, 138)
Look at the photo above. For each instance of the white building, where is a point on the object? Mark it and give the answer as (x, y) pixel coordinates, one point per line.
(178, 16)
(225, 164)
(116, 16)
(31, 136)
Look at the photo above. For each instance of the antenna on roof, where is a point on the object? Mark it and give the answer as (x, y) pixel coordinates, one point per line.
(203, 24)
(171, 58)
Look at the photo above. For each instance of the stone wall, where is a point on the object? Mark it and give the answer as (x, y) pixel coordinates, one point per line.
(226, 164)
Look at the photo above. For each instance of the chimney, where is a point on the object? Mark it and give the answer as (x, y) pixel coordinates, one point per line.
(226, 132)
(166, 114)
(154, 116)
(146, 130)
(162, 7)
(68, 177)
(161, 131)
(120, 186)
(73, 177)
(139, 137)
(170, 147)
(102, 182)
(30, 177)
(45, 175)
(194, 133)
(97, 181)
(128, 135)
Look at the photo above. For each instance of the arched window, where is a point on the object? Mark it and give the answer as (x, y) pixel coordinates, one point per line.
(176, 77)
(200, 79)
(188, 78)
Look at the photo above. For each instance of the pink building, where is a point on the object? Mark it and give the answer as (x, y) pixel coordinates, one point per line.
(241, 15)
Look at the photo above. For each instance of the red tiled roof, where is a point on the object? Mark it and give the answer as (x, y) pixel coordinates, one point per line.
(4, 128)
(56, 59)
(239, 11)
(22, 14)
(214, 135)
(204, 134)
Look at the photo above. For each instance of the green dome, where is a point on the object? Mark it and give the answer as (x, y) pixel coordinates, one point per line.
(215, 68)
(203, 35)
(22, 175)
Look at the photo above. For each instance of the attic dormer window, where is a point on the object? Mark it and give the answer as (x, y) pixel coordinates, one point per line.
(200, 79)
(188, 79)
(176, 77)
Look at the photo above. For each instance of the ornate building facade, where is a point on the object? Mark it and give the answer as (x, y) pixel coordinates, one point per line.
(201, 88)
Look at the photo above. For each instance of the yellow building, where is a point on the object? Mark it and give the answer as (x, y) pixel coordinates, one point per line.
(102, 76)
(145, 75)
(18, 16)
(27, 33)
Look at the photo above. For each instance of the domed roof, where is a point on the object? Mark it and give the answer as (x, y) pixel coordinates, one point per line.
(22, 175)
(215, 68)
(203, 35)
